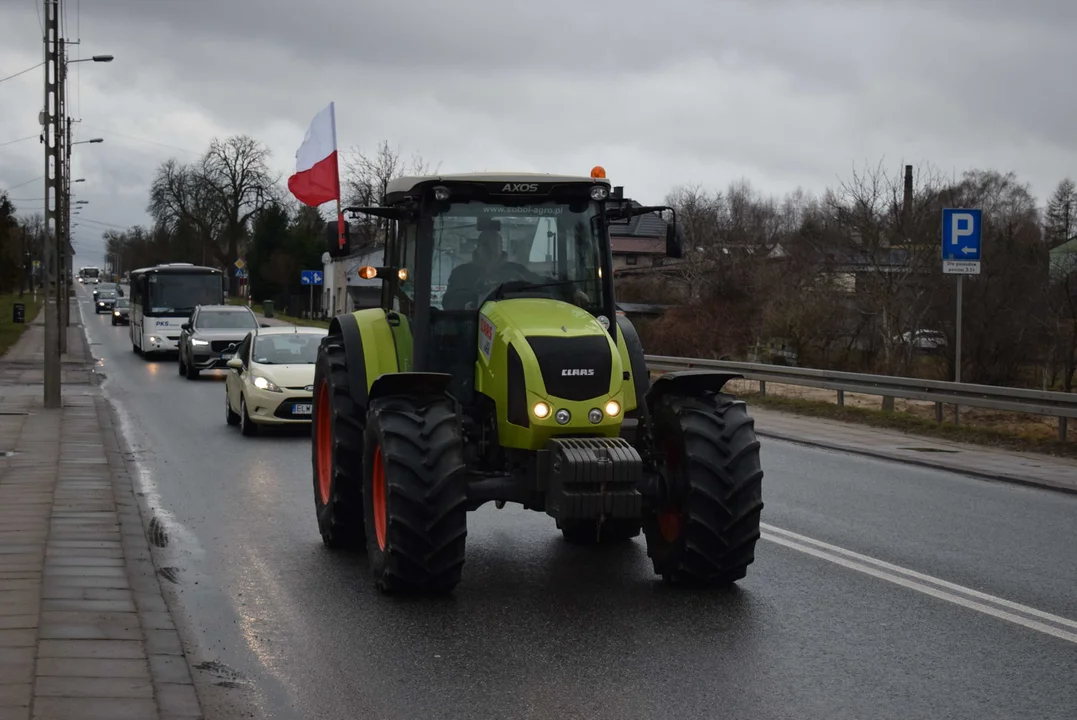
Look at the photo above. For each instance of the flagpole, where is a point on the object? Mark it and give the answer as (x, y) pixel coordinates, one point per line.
(340, 212)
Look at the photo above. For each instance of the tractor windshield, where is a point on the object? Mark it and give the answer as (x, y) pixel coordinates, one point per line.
(543, 249)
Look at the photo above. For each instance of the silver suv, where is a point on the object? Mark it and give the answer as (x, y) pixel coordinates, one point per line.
(210, 337)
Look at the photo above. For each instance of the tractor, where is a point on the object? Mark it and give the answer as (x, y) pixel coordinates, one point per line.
(498, 368)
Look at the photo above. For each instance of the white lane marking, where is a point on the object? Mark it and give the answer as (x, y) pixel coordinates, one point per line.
(901, 576)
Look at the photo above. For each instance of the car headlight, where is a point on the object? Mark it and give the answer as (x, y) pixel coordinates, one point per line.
(116, 313)
(199, 343)
(263, 384)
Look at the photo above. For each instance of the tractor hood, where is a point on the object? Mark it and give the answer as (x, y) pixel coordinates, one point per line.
(542, 316)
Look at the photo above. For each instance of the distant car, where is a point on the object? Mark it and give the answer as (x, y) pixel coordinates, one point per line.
(272, 378)
(121, 312)
(209, 339)
(104, 301)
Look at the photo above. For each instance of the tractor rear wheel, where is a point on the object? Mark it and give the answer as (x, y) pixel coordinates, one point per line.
(337, 450)
(705, 528)
(415, 494)
(587, 532)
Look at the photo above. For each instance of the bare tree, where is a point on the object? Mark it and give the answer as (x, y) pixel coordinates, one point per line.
(214, 200)
(367, 178)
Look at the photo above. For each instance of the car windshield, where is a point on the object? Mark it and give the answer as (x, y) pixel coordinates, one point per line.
(177, 292)
(226, 320)
(122, 303)
(106, 295)
(286, 349)
(551, 246)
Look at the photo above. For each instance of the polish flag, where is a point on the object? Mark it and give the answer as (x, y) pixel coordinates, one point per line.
(317, 174)
(317, 177)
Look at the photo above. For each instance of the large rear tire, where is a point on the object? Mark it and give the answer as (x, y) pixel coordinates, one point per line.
(415, 494)
(337, 450)
(706, 528)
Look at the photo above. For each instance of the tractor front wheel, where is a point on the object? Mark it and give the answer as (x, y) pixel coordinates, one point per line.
(415, 494)
(337, 444)
(706, 526)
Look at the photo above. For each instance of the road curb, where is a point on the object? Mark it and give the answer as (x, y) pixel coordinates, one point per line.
(894, 457)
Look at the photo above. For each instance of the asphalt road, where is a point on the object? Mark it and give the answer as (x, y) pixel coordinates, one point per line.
(284, 628)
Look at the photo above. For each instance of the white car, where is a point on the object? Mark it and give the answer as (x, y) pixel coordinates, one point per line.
(270, 380)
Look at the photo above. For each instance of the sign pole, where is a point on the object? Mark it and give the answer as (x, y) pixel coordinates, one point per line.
(962, 250)
(310, 308)
(957, 340)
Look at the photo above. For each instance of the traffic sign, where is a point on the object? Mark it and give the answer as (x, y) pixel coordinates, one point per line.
(310, 277)
(241, 272)
(240, 264)
(961, 241)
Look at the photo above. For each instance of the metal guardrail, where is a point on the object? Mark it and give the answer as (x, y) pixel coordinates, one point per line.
(940, 392)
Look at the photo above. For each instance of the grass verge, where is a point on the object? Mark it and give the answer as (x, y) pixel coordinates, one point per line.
(1011, 439)
(10, 332)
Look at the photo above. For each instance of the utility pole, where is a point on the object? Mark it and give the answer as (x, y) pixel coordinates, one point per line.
(53, 136)
(64, 204)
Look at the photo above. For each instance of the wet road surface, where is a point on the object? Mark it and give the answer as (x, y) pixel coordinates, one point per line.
(283, 628)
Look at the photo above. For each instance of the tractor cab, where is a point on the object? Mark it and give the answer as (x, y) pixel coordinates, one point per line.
(458, 242)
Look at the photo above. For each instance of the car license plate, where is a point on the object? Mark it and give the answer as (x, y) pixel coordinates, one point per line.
(226, 356)
(301, 409)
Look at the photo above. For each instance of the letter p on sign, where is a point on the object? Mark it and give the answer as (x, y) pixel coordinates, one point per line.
(961, 226)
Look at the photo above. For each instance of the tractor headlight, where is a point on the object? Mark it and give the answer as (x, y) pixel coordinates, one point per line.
(562, 416)
(600, 192)
(541, 410)
(595, 416)
(613, 408)
(441, 193)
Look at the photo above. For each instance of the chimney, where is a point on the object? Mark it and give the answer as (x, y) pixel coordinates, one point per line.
(906, 206)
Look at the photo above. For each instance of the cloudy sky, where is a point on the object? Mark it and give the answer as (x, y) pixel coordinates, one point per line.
(785, 93)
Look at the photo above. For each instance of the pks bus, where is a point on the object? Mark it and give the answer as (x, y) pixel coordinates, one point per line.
(90, 275)
(163, 298)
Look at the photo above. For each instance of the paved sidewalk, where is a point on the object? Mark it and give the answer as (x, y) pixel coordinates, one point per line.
(85, 633)
(977, 460)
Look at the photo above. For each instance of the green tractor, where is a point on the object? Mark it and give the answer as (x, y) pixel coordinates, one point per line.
(499, 369)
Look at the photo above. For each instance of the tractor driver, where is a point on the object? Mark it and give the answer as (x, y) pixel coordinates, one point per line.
(468, 283)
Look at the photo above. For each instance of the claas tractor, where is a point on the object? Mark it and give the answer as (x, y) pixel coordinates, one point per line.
(498, 369)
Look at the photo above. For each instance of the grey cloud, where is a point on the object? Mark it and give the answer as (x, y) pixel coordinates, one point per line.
(784, 92)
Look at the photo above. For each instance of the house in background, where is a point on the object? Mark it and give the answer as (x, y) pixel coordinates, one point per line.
(638, 243)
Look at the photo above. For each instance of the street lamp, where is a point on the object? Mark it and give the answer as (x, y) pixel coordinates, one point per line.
(95, 58)
(82, 202)
(83, 142)
(79, 180)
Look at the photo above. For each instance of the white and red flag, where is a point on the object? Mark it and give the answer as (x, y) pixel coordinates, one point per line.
(317, 173)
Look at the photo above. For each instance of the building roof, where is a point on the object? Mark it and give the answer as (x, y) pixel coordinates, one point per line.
(650, 225)
(1067, 247)
(408, 183)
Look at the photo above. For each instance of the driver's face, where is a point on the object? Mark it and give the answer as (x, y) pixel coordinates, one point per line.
(488, 251)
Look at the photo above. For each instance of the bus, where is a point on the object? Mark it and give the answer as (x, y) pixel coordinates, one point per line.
(89, 275)
(163, 298)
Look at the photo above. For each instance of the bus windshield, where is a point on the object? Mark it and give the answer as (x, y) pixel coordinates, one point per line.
(181, 292)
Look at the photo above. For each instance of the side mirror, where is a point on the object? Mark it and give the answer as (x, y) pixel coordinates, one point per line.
(235, 364)
(674, 245)
(185, 326)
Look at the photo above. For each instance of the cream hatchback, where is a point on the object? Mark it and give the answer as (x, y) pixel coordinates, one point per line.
(270, 380)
